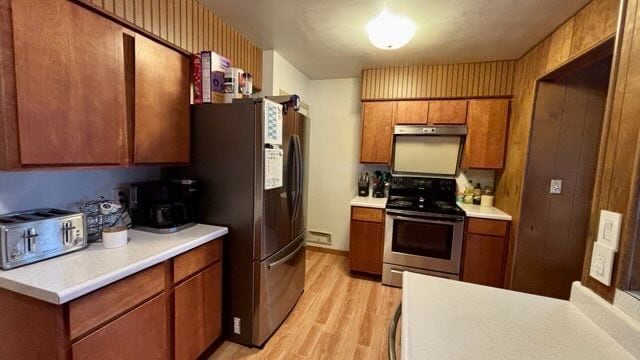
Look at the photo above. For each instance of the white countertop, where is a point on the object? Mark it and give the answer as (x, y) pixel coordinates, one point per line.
(484, 212)
(446, 319)
(67, 277)
(370, 202)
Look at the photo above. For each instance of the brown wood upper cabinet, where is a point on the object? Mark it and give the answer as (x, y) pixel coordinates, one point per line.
(412, 112)
(69, 86)
(486, 140)
(161, 133)
(377, 132)
(434, 112)
(447, 112)
(79, 89)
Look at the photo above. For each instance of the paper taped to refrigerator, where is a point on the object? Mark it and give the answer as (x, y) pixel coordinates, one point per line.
(272, 122)
(273, 168)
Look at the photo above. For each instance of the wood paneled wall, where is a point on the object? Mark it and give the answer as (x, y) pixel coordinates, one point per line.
(590, 27)
(484, 79)
(189, 25)
(618, 178)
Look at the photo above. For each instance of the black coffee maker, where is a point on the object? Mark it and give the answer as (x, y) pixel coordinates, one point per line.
(163, 206)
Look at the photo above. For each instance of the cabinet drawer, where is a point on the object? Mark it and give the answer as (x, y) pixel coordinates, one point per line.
(139, 334)
(100, 306)
(195, 260)
(488, 227)
(367, 214)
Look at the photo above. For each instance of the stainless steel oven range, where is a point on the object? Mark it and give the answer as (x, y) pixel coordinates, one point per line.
(424, 229)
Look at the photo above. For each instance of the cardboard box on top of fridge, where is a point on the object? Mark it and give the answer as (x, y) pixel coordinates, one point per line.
(214, 67)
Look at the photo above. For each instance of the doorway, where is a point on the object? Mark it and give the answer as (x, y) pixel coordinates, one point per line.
(565, 137)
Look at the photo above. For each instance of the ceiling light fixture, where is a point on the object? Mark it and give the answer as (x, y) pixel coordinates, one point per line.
(389, 32)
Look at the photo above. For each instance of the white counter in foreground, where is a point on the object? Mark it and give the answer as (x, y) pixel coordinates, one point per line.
(484, 212)
(369, 201)
(62, 279)
(446, 319)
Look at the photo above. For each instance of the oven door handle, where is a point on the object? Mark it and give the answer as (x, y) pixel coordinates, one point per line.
(430, 221)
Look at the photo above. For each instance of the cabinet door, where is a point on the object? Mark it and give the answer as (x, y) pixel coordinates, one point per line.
(412, 112)
(377, 132)
(485, 144)
(198, 304)
(139, 334)
(70, 84)
(365, 247)
(448, 112)
(161, 131)
(484, 260)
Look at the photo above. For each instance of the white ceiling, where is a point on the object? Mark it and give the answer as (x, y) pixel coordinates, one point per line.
(326, 38)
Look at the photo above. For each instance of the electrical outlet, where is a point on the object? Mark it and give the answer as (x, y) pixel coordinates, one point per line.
(609, 229)
(601, 263)
(236, 325)
(556, 186)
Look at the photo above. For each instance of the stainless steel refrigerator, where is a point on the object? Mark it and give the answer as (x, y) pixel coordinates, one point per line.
(263, 263)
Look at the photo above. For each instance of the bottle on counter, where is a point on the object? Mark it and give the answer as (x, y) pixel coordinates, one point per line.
(468, 193)
(477, 194)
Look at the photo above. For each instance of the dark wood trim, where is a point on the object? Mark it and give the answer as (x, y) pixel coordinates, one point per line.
(439, 98)
(9, 146)
(327, 250)
(592, 55)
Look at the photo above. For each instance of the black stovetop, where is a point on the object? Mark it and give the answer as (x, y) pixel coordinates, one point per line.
(428, 195)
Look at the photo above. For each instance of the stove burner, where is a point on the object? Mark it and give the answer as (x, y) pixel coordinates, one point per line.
(443, 205)
(425, 195)
(402, 202)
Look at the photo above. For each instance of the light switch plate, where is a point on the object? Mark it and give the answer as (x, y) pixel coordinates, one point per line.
(601, 263)
(556, 186)
(609, 229)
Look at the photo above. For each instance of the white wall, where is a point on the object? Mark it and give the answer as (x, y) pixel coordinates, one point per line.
(279, 75)
(334, 148)
(66, 189)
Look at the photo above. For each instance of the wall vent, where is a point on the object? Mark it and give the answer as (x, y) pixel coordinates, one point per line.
(319, 237)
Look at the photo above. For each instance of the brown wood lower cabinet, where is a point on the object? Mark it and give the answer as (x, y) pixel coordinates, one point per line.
(139, 334)
(143, 316)
(485, 252)
(198, 310)
(366, 240)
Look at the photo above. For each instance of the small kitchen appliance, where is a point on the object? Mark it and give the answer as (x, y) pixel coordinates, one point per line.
(424, 229)
(30, 236)
(163, 206)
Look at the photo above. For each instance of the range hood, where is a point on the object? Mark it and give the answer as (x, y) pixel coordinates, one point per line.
(427, 150)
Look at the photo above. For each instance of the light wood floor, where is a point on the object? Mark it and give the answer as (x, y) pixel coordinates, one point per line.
(339, 316)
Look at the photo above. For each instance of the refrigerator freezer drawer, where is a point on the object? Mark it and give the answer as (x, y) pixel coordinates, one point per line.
(281, 284)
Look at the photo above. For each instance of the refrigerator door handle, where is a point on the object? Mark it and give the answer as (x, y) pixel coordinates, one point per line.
(286, 258)
(298, 174)
(290, 179)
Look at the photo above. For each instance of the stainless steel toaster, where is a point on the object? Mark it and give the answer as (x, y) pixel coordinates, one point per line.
(30, 236)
